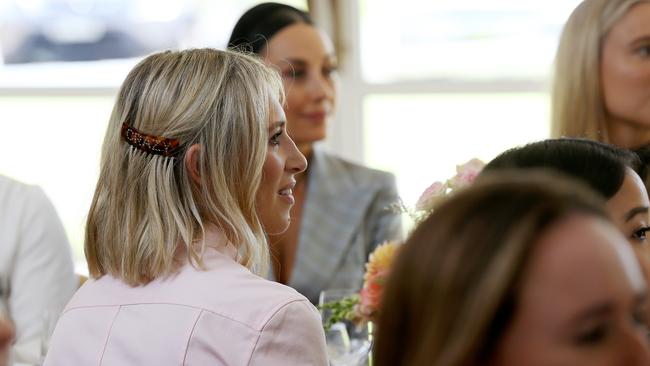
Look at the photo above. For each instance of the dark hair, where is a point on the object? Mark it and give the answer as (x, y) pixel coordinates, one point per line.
(599, 165)
(261, 22)
(454, 286)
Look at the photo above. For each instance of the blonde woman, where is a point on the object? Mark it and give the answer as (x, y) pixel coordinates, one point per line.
(516, 270)
(601, 86)
(196, 170)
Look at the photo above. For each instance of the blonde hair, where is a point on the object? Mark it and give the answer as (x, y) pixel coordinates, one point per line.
(453, 288)
(146, 208)
(577, 105)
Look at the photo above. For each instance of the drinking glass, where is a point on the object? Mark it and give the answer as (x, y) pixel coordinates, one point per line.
(348, 344)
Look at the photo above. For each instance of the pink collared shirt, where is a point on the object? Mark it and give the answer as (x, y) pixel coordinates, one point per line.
(225, 315)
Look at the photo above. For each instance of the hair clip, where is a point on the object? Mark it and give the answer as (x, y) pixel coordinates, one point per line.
(156, 145)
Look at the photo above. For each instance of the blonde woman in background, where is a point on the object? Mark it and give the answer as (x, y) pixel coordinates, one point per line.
(601, 87)
(196, 169)
(520, 269)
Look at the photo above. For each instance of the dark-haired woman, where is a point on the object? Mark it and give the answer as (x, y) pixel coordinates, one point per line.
(614, 173)
(341, 208)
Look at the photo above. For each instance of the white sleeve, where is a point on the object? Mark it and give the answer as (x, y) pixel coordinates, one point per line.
(42, 278)
(293, 336)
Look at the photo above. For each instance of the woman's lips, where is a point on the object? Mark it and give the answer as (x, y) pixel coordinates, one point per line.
(315, 116)
(287, 192)
(287, 195)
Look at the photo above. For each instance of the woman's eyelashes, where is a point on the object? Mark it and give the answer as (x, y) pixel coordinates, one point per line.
(275, 139)
(593, 335)
(640, 233)
(643, 51)
(300, 73)
(599, 332)
(329, 69)
(640, 317)
(294, 73)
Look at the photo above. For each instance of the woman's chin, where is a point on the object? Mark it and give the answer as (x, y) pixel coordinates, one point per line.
(278, 227)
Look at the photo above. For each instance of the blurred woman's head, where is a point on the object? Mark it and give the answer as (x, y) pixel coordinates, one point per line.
(602, 78)
(286, 38)
(195, 139)
(515, 270)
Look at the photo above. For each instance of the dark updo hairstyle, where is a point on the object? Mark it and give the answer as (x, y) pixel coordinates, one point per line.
(256, 27)
(599, 165)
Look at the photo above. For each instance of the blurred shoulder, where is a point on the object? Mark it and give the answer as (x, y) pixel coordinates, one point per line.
(20, 198)
(11, 188)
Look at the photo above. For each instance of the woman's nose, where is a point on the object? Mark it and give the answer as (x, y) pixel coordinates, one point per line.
(296, 161)
(321, 87)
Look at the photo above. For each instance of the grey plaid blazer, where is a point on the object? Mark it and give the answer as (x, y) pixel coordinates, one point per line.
(344, 218)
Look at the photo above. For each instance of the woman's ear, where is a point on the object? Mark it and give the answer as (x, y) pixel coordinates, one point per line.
(192, 161)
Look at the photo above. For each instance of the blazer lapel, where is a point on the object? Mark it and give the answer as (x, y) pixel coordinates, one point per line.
(331, 216)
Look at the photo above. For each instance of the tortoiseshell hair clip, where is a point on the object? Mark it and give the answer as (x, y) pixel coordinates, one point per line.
(156, 145)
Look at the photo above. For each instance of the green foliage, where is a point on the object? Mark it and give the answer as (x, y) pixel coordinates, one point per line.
(341, 310)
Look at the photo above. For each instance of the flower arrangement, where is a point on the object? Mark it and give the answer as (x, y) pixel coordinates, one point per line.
(365, 306)
(439, 191)
(377, 270)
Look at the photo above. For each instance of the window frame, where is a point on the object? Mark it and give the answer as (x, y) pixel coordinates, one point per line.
(346, 136)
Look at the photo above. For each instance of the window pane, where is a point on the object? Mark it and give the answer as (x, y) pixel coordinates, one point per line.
(55, 143)
(421, 138)
(460, 39)
(82, 44)
(83, 30)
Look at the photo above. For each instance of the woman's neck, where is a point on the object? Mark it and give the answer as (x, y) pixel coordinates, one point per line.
(626, 134)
